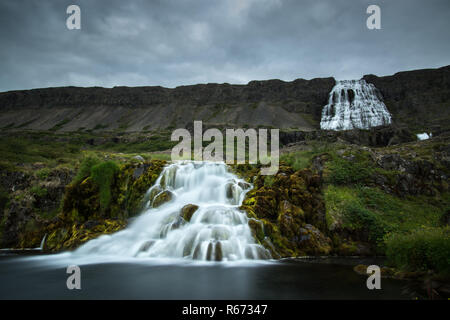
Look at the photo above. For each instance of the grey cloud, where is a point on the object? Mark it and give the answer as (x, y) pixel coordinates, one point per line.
(173, 43)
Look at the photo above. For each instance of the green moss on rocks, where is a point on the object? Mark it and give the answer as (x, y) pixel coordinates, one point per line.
(99, 203)
(188, 211)
(70, 236)
(286, 207)
(162, 198)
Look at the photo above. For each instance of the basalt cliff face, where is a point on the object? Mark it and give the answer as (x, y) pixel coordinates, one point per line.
(276, 103)
(418, 100)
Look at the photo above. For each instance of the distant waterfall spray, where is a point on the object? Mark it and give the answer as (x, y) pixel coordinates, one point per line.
(217, 230)
(354, 104)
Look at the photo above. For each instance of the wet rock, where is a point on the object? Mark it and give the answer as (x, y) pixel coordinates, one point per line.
(187, 211)
(139, 158)
(244, 185)
(162, 198)
(146, 245)
(138, 172)
(313, 242)
(218, 252)
(257, 229)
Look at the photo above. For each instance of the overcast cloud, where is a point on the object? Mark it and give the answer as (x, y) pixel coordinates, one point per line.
(172, 43)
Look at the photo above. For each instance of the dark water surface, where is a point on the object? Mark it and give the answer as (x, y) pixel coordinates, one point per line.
(35, 278)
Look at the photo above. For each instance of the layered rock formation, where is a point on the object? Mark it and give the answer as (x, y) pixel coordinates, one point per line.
(419, 99)
(295, 104)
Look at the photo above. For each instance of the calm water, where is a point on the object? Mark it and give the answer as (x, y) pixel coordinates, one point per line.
(44, 277)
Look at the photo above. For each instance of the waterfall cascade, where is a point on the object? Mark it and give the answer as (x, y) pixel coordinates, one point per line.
(354, 104)
(217, 230)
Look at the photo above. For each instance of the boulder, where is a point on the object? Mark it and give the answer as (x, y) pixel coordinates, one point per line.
(162, 198)
(187, 211)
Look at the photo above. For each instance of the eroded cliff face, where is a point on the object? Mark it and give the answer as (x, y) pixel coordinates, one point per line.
(419, 99)
(416, 99)
(276, 103)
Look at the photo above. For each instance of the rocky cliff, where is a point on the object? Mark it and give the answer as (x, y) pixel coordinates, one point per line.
(419, 99)
(295, 104)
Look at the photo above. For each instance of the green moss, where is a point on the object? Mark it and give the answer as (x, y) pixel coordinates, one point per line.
(103, 175)
(257, 228)
(84, 170)
(39, 191)
(43, 173)
(72, 236)
(188, 211)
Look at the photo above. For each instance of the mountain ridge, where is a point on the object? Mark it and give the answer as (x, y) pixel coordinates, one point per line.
(297, 104)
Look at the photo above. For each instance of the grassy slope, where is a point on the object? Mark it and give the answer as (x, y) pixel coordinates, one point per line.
(401, 227)
(352, 201)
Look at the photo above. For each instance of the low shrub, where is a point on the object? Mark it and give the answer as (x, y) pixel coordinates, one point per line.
(342, 171)
(423, 249)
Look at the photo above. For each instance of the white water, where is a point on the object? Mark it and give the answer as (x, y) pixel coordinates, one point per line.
(354, 104)
(218, 230)
(424, 136)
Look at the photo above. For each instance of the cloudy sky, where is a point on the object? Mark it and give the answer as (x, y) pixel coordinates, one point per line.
(180, 42)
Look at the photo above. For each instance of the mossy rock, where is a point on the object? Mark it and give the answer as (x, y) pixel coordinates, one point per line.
(292, 200)
(257, 229)
(72, 236)
(290, 219)
(187, 211)
(314, 242)
(162, 198)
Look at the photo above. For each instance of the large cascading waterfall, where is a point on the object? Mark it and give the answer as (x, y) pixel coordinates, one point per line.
(216, 231)
(354, 104)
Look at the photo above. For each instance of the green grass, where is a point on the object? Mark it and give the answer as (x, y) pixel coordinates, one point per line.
(297, 160)
(103, 174)
(33, 149)
(84, 170)
(38, 191)
(343, 172)
(423, 249)
(371, 210)
(152, 144)
(302, 159)
(43, 173)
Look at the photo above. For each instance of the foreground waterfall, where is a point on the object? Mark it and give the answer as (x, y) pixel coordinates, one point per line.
(217, 230)
(354, 104)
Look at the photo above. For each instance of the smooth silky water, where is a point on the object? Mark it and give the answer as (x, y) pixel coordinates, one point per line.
(162, 256)
(354, 104)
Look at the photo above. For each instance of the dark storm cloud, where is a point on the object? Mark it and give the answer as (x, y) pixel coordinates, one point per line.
(172, 43)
